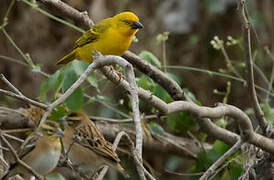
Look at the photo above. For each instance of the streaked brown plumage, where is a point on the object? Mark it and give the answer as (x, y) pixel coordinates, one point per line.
(86, 146)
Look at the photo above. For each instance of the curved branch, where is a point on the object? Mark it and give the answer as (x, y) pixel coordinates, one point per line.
(234, 112)
(156, 74)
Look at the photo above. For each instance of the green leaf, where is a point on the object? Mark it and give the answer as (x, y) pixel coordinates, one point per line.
(222, 122)
(80, 67)
(173, 163)
(212, 156)
(215, 6)
(143, 82)
(155, 127)
(57, 113)
(149, 57)
(268, 112)
(43, 91)
(180, 122)
(53, 84)
(191, 96)
(160, 92)
(55, 176)
(174, 77)
(220, 147)
(235, 172)
(76, 100)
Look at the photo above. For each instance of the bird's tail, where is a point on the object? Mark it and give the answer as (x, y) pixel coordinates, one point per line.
(67, 58)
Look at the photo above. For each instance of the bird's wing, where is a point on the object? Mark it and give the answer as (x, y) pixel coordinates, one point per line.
(93, 34)
(29, 144)
(88, 136)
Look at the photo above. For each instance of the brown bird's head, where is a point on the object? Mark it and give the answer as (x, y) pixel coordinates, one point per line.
(51, 129)
(73, 120)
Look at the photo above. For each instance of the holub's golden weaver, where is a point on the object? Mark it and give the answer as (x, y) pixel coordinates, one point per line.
(111, 36)
(43, 157)
(86, 147)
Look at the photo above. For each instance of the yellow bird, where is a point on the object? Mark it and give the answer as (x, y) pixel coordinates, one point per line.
(111, 36)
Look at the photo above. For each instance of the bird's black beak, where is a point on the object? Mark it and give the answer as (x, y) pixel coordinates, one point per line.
(137, 25)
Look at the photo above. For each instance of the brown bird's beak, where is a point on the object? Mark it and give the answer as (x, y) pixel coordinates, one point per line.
(137, 25)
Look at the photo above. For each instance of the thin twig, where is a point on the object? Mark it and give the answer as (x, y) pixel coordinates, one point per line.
(5, 19)
(228, 62)
(214, 73)
(14, 60)
(13, 137)
(184, 174)
(114, 147)
(10, 85)
(96, 118)
(23, 98)
(249, 61)
(136, 115)
(272, 72)
(26, 58)
(136, 158)
(129, 120)
(17, 130)
(214, 166)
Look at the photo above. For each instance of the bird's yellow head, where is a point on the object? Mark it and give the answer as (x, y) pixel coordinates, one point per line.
(127, 23)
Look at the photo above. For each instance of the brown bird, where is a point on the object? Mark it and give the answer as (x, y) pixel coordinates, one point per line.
(86, 147)
(44, 155)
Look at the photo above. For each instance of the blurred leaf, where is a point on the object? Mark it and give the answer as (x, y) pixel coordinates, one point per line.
(212, 156)
(53, 83)
(160, 92)
(193, 41)
(235, 172)
(220, 147)
(215, 6)
(173, 163)
(149, 57)
(191, 96)
(174, 77)
(43, 91)
(146, 83)
(76, 99)
(143, 82)
(162, 37)
(155, 127)
(55, 176)
(205, 159)
(80, 67)
(268, 112)
(59, 112)
(249, 111)
(180, 122)
(222, 122)
(225, 175)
